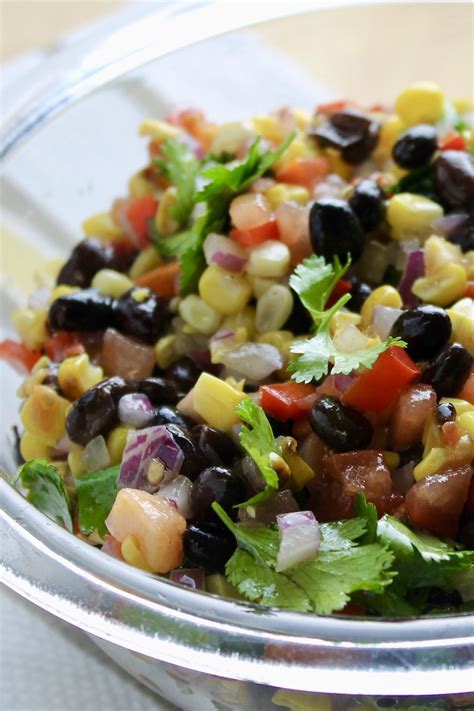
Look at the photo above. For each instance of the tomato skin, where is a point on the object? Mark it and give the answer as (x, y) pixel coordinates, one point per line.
(470, 290)
(342, 287)
(453, 141)
(287, 401)
(256, 235)
(331, 106)
(304, 171)
(20, 357)
(377, 388)
(138, 213)
(63, 344)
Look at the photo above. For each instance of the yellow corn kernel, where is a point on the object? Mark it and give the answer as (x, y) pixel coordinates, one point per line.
(341, 319)
(438, 252)
(62, 290)
(461, 406)
(225, 292)
(132, 554)
(32, 447)
(390, 132)
(111, 283)
(339, 165)
(392, 460)
(442, 288)
(216, 400)
(260, 285)
(230, 137)
(422, 102)
(434, 461)
(303, 701)
(274, 308)
(164, 220)
(158, 130)
(300, 147)
(462, 321)
(139, 186)
(384, 295)
(30, 324)
(242, 319)
(116, 441)
(146, 260)
(466, 422)
(411, 215)
(199, 315)
(302, 118)
(269, 259)
(77, 374)
(282, 340)
(268, 127)
(469, 257)
(46, 275)
(165, 352)
(44, 414)
(74, 460)
(284, 192)
(141, 295)
(463, 104)
(103, 226)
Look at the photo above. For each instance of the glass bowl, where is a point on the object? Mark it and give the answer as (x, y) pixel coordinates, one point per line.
(68, 154)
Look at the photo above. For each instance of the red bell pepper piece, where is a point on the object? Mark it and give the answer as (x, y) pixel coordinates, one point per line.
(377, 388)
(453, 141)
(20, 357)
(63, 344)
(255, 235)
(138, 213)
(288, 401)
(342, 287)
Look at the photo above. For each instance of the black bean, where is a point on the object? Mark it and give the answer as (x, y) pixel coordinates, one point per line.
(466, 535)
(335, 230)
(280, 428)
(142, 314)
(168, 415)
(299, 322)
(351, 132)
(449, 371)
(87, 258)
(415, 146)
(339, 426)
(185, 372)
(194, 459)
(160, 391)
(95, 412)
(426, 329)
(413, 454)
(359, 293)
(85, 310)
(216, 484)
(208, 546)
(445, 412)
(218, 447)
(463, 234)
(367, 203)
(453, 178)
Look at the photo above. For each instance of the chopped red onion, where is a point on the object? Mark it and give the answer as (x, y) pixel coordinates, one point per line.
(383, 319)
(96, 455)
(446, 224)
(142, 447)
(254, 361)
(178, 490)
(299, 539)
(135, 409)
(343, 382)
(191, 577)
(414, 268)
(225, 253)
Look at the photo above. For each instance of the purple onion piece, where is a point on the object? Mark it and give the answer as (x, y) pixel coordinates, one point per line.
(191, 577)
(414, 269)
(230, 262)
(296, 518)
(299, 539)
(135, 409)
(143, 446)
(446, 224)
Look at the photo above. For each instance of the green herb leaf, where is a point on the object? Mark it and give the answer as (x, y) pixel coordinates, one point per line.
(96, 493)
(367, 511)
(180, 166)
(46, 491)
(314, 279)
(417, 181)
(259, 442)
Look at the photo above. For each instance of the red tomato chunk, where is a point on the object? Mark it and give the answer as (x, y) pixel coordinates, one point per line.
(288, 401)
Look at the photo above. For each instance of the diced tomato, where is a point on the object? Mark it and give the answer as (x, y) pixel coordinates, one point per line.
(63, 344)
(451, 433)
(470, 290)
(352, 609)
(20, 357)
(304, 171)
(163, 280)
(377, 388)
(342, 287)
(467, 392)
(154, 149)
(256, 235)
(331, 106)
(453, 141)
(362, 471)
(409, 416)
(195, 123)
(469, 505)
(138, 213)
(287, 401)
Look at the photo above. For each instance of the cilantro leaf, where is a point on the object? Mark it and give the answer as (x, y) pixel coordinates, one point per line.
(46, 490)
(314, 279)
(172, 245)
(417, 181)
(96, 493)
(368, 511)
(180, 166)
(259, 442)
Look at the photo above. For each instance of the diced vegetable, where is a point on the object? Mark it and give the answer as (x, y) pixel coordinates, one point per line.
(125, 356)
(150, 455)
(304, 171)
(133, 215)
(411, 412)
(215, 400)
(163, 280)
(299, 539)
(288, 401)
(362, 472)
(18, 355)
(255, 235)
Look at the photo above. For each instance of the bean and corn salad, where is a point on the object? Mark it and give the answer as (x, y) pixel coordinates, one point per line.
(254, 374)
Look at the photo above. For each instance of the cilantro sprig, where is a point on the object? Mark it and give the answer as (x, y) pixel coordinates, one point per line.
(313, 281)
(96, 493)
(46, 491)
(178, 163)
